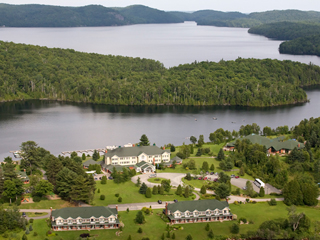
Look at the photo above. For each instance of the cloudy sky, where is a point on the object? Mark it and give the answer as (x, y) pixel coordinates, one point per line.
(245, 6)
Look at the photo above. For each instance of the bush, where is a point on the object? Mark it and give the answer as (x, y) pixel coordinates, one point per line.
(218, 198)
(272, 202)
(5, 235)
(30, 228)
(235, 203)
(117, 194)
(35, 234)
(120, 199)
(102, 197)
(27, 231)
(234, 228)
(98, 190)
(31, 220)
(120, 228)
(104, 180)
(36, 199)
(84, 235)
(243, 220)
(140, 230)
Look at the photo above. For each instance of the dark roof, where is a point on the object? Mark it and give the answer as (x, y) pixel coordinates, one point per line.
(177, 159)
(84, 212)
(276, 143)
(143, 165)
(200, 205)
(135, 151)
(90, 162)
(119, 168)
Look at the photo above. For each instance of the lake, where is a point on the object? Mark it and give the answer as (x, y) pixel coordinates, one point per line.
(59, 126)
(171, 44)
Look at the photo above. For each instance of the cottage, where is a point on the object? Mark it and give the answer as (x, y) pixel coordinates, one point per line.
(84, 218)
(198, 211)
(275, 145)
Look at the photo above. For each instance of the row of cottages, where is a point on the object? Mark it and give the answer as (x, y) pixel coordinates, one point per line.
(276, 145)
(84, 218)
(198, 211)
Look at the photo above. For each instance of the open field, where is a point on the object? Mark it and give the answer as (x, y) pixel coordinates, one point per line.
(155, 227)
(129, 193)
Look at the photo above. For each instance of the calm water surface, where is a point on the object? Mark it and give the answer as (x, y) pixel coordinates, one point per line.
(171, 44)
(60, 126)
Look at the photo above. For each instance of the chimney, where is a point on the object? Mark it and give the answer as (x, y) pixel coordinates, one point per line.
(24, 170)
(106, 151)
(117, 207)
(298, 145)
(166, 208)
(133, 145)
(163, 148)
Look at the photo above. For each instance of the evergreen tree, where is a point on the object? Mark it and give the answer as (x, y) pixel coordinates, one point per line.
(161, 192)
(199, 152)
(168, 234)
(189, 237)
(144, 141)
(162, 236)
(139, 218)
(104, 180)
(24, 237)
(79, 190)
(140, 230)
(83, 157)
(310, 194)
(53, 167)
(261, 192)
(129, 238)
(172, 148)
(43, 188)
(155, 190)
(143, 188)
(212, 167)
(292, 193)
(138, 182)
(95, 155)
(193, 139)
(173, 236)
(234, 228)
(203, 190)
(205, 166)
(30, 155)
(207, 228)
(179, 190)
(186, 192)
(9, 189)
(148, 193)
(191, 149)
(220, 156)
(210, 234)
(223, 191)
(159, 189)
(200, 141)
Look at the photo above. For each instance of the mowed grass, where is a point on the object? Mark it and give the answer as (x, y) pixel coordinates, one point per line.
(129, 193)
(46, 204)
(155, 227)
(36, 214)
(156, 180)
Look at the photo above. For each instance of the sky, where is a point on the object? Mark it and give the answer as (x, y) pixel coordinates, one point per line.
(244, 6)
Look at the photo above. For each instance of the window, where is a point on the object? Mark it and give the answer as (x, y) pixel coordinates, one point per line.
(225, 211)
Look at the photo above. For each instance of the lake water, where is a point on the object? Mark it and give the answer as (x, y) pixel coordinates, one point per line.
(60, 126)
(171, 44)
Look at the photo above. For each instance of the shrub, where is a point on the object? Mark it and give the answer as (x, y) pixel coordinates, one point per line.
(35, 234)
(247, 200)
(173, 236)
(243, 220)
(210, 234)
(140, 230)
(30, 228)
(251, 222)
(272, 202)
(254, 202)
(120, 228)
(27, 231)
(5, 235)
(24, 237)
(234, 228)
(120, 199)
(128, 210)
(207, 228)
(98, 190)
(102, 197)
(36, 199)
(103, 180)
(31, 220)
(117, 194)
(235, 203)
(84, 235)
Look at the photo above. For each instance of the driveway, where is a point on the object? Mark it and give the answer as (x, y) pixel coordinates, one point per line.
(241, 182)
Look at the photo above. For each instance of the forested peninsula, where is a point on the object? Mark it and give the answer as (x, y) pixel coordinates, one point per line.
(304, 37)
(33, 72)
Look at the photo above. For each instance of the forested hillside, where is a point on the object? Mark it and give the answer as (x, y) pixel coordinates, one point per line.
(38, 72)
(35, 15)
(258, 18)
(286, 30)
(309, 45)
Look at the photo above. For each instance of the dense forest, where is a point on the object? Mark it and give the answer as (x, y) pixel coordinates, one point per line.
(35, 72)
(34, 15)
(309, 45)
(286, 30)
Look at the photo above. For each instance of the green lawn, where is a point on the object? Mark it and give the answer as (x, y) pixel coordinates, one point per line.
(129, 193)
(46, 204)
(195, 183)
(36, 214)
(155, 227)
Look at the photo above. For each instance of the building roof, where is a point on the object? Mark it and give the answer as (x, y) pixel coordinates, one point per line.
(199, 205)
(91, 162)
(276, 143)
(143, 165)
(84, 212)
(136, 151)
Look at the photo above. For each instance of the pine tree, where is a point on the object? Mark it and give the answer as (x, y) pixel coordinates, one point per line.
(207, 228)
(212, 167)
(210, 234)
(220, 156)
(138, 182)
(95, 155)
(186, 192)
(129, 238)
(144, 141)
(261, 192)
(140, 218)
(235, 228)
(140, 230)
(203, 190)
(161, 190)
(189, 237)
(83, 156)
(24, 237)
(162, 236)
(205, 166)
(179, 190)
(143, 188)
(155, 190)
(173, 236)
(80, 191)
(168, 234)
(148, 193)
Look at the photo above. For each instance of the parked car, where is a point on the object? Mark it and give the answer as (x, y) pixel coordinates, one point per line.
(216, 180)
(110, 178)
(159, 201)
(211, 173)
(175, 200)
(205, 178)
(195, 177)
(236, 176)
(24, 214)
(199, 178)
(207, 173)
(244, 188)
(209, 178)
(232, 176)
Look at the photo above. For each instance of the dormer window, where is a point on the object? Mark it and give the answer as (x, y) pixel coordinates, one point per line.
(207, 213)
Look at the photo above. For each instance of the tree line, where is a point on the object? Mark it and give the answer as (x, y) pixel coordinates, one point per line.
(33, 72)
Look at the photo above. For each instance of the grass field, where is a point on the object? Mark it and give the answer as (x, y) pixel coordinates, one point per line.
(156, 180)
(129, 193)
(36, 214)
(46, 204)
(155, 227)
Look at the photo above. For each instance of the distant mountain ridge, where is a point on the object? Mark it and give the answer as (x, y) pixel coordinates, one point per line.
(35, 15)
